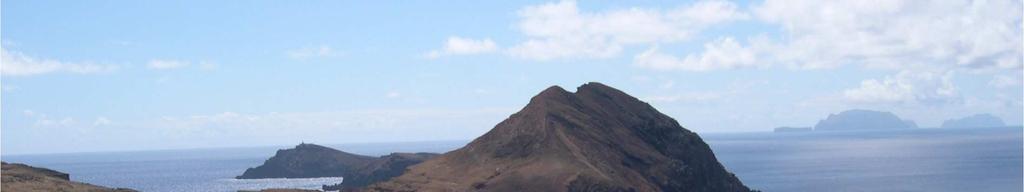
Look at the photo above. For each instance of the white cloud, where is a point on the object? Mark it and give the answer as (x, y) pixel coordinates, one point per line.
(393, 95)
(463, 46)
(158, 64)
(973, 36)
(43, 120)
(481, 91)
(560, 30)
(271, 128)
(907, 87)
(14, 63)
(667, 84)
(166, 64)
(710, 12)
(359, 125)
(896, 34)
(8, 88)
(928, 98)
(689, 97)
(1005, 81)
(724, 53)
(101, 121)
(311, 52)
(728, 93)
(208, 65)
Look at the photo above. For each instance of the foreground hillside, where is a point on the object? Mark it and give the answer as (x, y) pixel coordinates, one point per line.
(21, 177)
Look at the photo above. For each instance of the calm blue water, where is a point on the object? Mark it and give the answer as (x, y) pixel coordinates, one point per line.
(199, 169)
(987, 159)
(902, 160)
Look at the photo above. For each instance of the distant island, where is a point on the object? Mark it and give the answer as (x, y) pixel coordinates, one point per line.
(21, 177)
(859, 119)
(975, 121)
(792, 129)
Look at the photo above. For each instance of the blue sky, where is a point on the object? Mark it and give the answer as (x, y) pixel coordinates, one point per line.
(83, 76)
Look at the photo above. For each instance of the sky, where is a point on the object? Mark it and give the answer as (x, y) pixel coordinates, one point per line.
(83, 76)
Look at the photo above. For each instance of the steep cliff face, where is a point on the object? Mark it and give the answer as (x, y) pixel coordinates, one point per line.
(863, 120)
(307, 161)
(21, 177)
(597, 139)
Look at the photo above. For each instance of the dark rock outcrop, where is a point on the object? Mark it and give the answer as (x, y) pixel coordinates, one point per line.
(974, 121)
(307, 161)
(597, 139)
(863, 120)
(310, 160)
(21, 177)
(380, 169)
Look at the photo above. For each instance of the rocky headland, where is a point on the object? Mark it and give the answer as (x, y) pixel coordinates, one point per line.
(311, 160)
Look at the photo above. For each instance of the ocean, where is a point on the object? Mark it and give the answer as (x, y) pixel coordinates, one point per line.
(199, 169)
(981, 159)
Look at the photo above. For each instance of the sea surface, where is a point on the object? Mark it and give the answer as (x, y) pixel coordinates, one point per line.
(979, 159)
(200, 169)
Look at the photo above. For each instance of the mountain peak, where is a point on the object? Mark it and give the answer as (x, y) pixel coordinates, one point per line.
(550, 96)
(554, 89)
(594, 86)
(553, 92)
(598, 138)
(592, 93)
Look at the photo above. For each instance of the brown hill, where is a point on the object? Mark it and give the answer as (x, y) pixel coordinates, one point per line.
(597, 139)
(21, 177)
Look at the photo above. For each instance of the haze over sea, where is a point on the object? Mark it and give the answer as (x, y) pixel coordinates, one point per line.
(979, 159)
